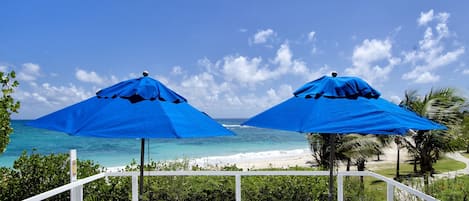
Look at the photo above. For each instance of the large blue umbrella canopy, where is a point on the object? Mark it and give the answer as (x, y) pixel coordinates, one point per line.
(340, 105)
(137, 108)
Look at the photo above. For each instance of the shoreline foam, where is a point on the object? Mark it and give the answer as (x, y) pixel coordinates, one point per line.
(279, 159)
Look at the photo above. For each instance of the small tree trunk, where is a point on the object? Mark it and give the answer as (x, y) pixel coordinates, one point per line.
(361, 167)
(349, 163)
(426, 182)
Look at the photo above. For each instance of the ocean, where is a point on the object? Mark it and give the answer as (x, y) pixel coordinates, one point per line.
(249, 142)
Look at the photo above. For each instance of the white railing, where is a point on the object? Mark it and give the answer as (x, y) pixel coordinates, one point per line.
(77, 186)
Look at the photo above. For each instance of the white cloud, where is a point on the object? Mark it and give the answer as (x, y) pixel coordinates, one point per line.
(286, 64)
(263, 35)
(275, 96)
(395, 99)
(244, 70)
(207, 94)
(370, 51)
(3, 68)
(40, 99)
(251, 71)
(91, 77)
(465, 72)
(427, 77)
(368, 59)
(177, 70)
(236, 86)
(425, 17)
(421, 76)
(311, 36)
(29, 72)
(431, 54)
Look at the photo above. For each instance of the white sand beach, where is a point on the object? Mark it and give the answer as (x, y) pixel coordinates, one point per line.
(290, 158)
(283, 159)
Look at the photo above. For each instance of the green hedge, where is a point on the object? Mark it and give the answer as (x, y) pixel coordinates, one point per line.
(33, 174)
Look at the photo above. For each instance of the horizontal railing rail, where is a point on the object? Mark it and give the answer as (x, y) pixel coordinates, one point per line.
(391, 184)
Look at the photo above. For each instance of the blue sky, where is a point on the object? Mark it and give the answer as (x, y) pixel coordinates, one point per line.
(230, 58)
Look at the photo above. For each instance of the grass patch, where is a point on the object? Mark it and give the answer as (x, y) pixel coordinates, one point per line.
(447, 165)
(406, 170)
(441, 166)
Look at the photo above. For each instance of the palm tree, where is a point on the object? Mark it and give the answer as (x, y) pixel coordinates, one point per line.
(464, 132)
(442, 106)
(319, 146)
(384, 141)
(349, 148)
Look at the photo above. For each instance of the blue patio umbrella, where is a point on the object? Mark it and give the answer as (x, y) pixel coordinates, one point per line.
(340, 105)
(137, 108)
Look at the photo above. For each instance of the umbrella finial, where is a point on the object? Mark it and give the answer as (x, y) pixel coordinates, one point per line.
(334, 73)
(145, 73)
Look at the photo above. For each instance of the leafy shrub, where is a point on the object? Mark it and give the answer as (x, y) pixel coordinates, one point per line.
(33, 174)
(455, 189)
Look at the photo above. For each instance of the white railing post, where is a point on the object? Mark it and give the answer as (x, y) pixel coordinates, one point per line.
(135, 188)
(238, 187)
(340, 187)
(76, 193)
(390, 192)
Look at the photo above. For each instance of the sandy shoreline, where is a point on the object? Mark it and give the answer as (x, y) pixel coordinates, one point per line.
(284, 159)
(303, 158)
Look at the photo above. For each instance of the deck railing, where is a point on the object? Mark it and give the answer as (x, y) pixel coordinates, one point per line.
(76, 187)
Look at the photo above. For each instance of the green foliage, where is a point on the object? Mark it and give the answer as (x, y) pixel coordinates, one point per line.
(455, 189)
(34, 174)
(284, 187)
(442, 165)
(442, 106)
(464, 132)
(352, 148)
(8, 105)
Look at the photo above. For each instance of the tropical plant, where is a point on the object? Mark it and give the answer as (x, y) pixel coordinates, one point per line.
(384, 141)
(442, 106)
(464, 132)
(319, 146)
(8, 105)
(352, 149)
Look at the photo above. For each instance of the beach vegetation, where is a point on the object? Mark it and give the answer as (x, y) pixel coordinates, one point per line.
(442, 106)
(408, 177)
(451, 189)
(384, 141)
(444, 164)
(352, 149)
(8, 106)
(464, 131)
(34, 173)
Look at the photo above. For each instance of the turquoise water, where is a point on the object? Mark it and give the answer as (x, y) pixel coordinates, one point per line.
(120, 152)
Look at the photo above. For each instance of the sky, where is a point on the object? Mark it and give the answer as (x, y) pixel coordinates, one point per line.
(230, 59)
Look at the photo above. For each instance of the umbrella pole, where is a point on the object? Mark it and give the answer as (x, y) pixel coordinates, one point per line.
(142, 160)
(331, 167)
